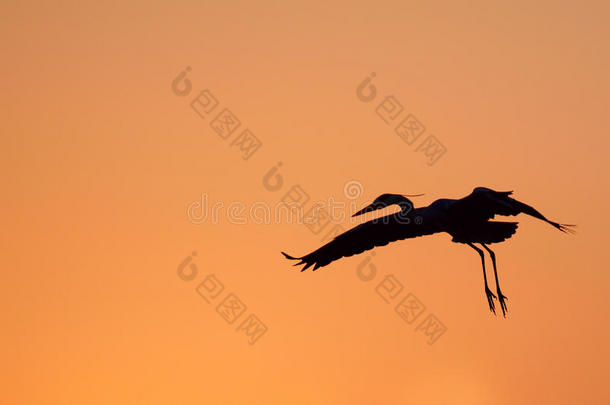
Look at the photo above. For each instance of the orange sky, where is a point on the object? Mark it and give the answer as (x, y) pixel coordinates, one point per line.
(100, 160)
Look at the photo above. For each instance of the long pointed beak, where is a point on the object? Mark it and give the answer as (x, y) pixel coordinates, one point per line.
(366, 209)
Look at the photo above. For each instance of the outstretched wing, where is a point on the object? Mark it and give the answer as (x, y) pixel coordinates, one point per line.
(483, 204)
(366, 236)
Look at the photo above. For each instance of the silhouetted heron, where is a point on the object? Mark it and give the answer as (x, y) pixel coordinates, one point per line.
(467, 220)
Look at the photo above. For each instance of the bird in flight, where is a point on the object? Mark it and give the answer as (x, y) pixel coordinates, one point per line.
(468, 220)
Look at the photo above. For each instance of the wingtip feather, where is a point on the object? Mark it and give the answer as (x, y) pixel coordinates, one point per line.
(566, 228)
(287, 256)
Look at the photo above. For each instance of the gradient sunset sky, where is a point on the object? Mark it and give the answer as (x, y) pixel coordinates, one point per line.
(101, 160)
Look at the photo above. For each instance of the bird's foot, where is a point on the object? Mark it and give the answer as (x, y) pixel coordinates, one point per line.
(490, 300)
(502, 298)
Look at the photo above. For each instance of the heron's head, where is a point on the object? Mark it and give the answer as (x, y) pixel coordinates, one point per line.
(385, 200)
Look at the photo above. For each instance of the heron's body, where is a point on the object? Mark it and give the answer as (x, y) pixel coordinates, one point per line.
(468, 220)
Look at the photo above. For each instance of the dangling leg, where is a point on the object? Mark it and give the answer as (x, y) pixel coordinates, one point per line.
(488, 293)
(501, 297)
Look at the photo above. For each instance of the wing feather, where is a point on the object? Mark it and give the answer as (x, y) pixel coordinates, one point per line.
(366, 236)
(483, 204)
